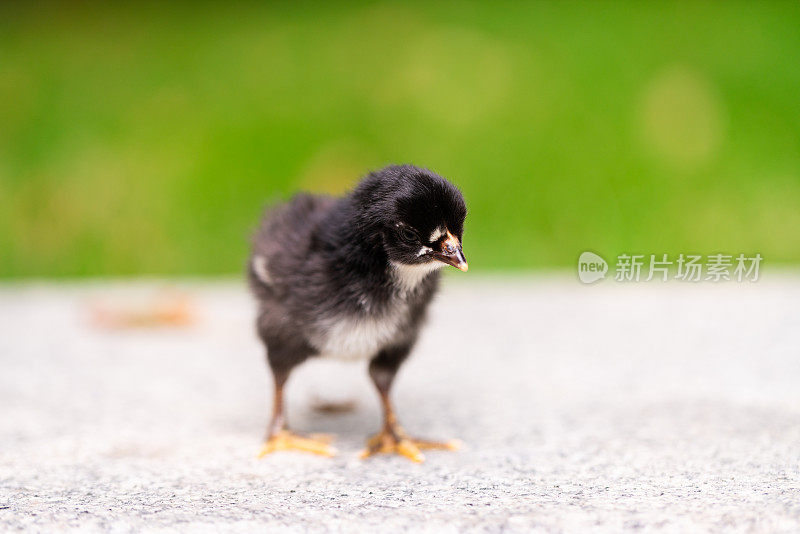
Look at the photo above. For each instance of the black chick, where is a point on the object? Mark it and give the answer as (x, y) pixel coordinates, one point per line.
(352, 278)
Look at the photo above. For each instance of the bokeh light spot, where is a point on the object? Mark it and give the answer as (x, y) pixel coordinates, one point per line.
(335, 167)
(456, 76)
(680, 117)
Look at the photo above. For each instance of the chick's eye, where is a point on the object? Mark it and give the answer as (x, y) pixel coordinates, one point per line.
(408, 235)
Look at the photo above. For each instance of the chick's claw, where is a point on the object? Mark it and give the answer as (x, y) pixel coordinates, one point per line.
(388, 442)
(287, 441)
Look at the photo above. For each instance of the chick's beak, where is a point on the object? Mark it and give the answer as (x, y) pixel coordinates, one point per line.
(451, 253)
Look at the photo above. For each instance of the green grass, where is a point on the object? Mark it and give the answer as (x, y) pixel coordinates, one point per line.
(139, 139)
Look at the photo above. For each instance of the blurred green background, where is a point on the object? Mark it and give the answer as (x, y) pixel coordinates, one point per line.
(141, 139)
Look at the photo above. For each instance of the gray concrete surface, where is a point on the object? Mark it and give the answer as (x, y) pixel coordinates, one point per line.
(599, 408)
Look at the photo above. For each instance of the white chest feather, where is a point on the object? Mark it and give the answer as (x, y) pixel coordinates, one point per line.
(357, 338)
(408, 277)
(361, 337)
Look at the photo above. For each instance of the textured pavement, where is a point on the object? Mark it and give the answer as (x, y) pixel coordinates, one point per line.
(605, 408)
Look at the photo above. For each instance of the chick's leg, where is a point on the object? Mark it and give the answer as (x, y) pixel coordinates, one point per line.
(392, 438)
(280, 438)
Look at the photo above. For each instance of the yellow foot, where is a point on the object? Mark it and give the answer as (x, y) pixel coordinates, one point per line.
(287, 441)
(396, 442)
